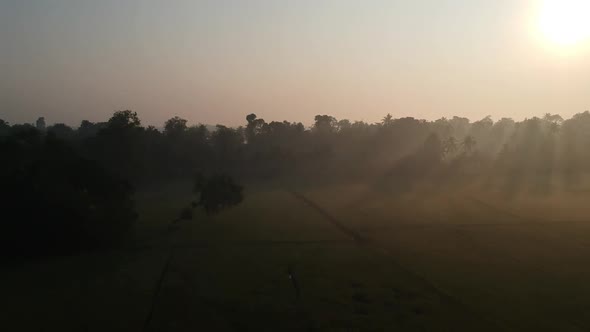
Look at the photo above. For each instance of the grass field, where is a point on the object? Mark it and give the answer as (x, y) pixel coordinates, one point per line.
(330, 258)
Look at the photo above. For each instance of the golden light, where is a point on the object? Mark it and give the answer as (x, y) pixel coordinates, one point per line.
(565, 23)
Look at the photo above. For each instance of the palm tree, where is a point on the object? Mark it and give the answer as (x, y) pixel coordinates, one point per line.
(468, 144)
(387, 120)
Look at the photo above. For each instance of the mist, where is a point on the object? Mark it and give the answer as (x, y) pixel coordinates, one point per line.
(312, 165)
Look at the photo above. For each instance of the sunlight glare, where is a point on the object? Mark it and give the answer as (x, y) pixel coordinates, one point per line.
(565, 23)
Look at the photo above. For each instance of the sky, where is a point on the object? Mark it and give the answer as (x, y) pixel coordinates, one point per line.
(217, 61)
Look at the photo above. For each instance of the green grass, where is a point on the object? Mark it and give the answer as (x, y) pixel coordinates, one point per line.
(520, 263)
(463, 261)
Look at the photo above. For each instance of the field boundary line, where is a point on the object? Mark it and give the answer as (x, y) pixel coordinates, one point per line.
(157, 290)
(384, 251)
(329, 217)
(526, 221)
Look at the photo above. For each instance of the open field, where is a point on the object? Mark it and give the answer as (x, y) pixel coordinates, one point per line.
(335, 258)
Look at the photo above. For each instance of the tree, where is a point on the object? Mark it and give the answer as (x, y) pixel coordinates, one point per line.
(555, 118)
(124, 120)
(40, 124)
(433, 150)
(4, 128)
(24, 131)
(197, 138)
(254, 127)
(460, 126)
(325, 124)
(120, 145)
(251, 117)
(387, 120)
(175, 127)
(61, 131)
(450, 145)
(217, 192)
(226, 143)
(55, 201)
(89, 129)
(468, 144)
(344, 125)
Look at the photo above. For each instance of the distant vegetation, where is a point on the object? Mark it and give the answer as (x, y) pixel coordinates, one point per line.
(69, 187)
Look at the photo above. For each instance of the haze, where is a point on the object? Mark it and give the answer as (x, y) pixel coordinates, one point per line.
(214, 61)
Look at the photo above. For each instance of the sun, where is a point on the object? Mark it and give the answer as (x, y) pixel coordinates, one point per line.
(565, 23)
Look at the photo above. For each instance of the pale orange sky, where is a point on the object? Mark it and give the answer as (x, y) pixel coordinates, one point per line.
(216, 61)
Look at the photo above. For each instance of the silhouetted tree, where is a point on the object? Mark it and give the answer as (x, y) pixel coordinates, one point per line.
(468, 144)
(460, 126)
(4, 128)
(450, 145)
(254, 127)
(217, 192)
(40, 124)
(344, 125)
(61, 131)
(175, 127)
(88, 129)
(226, 143)
(122, 120)
(554, 118)
(387, 120)
(325, 124)
(121, 145)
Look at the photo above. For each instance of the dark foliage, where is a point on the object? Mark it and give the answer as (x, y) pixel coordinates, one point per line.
(218, 192)
(62, 187)
(61, 131)
(55, 201)
(403, 149)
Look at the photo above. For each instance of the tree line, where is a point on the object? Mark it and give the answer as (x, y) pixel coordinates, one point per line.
(330, 147)
(84, 177)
